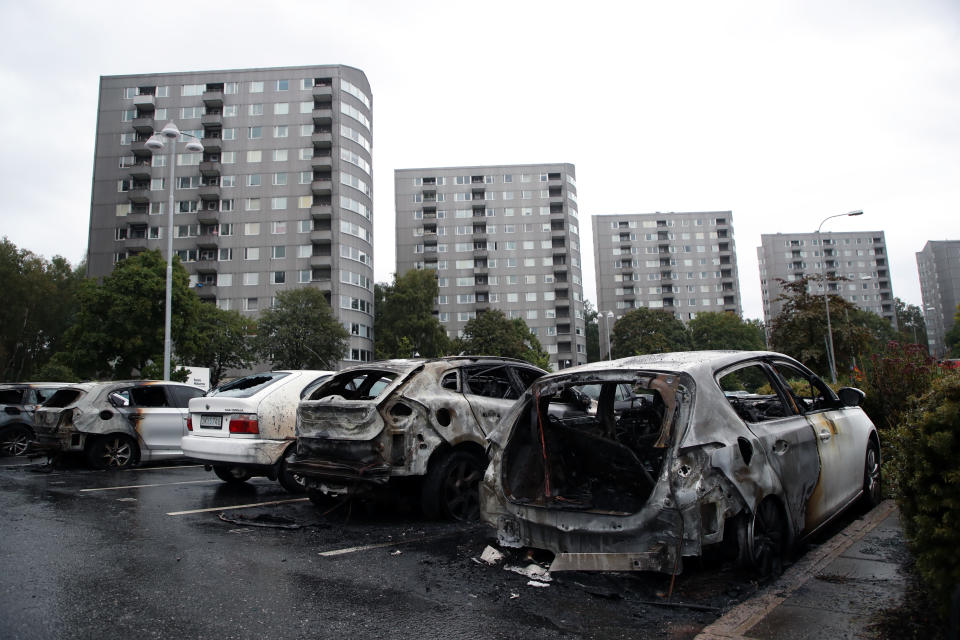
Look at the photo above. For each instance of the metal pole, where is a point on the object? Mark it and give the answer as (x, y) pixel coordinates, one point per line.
(609, 318)
(169, 294)
(831, 354)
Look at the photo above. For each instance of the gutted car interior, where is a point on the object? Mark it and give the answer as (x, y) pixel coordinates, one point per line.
(753, 392)
(590, 445)
(356, 385)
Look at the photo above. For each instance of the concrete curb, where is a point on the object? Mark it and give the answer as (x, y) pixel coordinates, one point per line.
(733, 624)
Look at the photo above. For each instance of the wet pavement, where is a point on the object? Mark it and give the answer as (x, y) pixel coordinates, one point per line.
(170, 551)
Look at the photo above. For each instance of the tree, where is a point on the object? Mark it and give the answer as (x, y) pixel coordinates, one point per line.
(952, 339)
(801, 328)
(404, 322)
(219, 340)
(720, 330)
(645, 330)
(39, 304)
(301, 332)
(491, 333)
(119, 329)
(591, 317)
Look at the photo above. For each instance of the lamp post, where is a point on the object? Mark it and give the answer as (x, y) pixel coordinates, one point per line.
(826, 298)
(609, 318)
(170, 133)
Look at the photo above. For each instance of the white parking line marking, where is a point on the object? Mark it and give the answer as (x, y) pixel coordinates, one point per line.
(239, 506)
(380, 545)
(141, 486)
(176, 466)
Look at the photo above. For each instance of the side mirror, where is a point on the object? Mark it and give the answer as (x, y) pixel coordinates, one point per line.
(851, 397)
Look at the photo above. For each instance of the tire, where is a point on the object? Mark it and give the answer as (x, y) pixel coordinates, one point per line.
(231, 475)
(452, 487)
(763, 540)
(15, 440)
(872, 477)
(113, 451)
(287, 479)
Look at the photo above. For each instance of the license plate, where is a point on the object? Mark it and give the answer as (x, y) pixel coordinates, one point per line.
(211, 422)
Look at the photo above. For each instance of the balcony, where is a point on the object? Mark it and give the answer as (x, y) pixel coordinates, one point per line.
(139, 149)
(208, 240)
(206, 291)
(323, 116)
(321, 236)
(322, 162)
(323, 93)
(145, 102)
(213, 98)
(209, 168)
(205, 266)
(321, 211)
(208, 216)
(322, 187)
(143, 125)
(136, 245)
(321, 261)
(137, 219)
(322, 139)
(212, 119)
(209, 191)
(140, 194)
(211, 145)
(141, 170)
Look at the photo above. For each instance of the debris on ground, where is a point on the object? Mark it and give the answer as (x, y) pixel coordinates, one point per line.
(537, 583)
(532, 571)
(266, 520)
(491, 556)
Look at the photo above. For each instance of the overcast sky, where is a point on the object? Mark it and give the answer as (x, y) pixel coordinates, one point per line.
(781, 112)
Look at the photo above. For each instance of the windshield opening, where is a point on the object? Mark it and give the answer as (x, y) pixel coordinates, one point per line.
(248, 385)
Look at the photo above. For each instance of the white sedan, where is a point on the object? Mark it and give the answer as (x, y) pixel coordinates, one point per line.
(244, 428)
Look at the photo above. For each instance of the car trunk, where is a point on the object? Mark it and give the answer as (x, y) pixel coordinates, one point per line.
(571, 452)
(215, 413)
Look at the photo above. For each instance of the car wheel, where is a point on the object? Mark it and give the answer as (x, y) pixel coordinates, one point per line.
(762, 540)
(872, 479)
(114, 451)
(289, 481)
(231, 475)
(15, 440)
(452, 487)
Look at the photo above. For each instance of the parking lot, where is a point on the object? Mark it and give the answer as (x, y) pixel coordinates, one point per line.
(170, 551)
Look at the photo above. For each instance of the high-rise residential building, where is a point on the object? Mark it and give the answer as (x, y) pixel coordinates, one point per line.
(281, 196)
(684, 263)
(859, 257)
(939, 267)
(499, 237)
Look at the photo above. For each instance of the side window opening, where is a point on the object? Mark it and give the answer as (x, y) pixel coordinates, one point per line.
(450, 381)
(152, 396)
(490, 382)
(356, 385)
(809, 393)
(752, 394)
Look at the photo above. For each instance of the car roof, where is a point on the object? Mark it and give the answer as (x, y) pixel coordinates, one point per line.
(693, 362)
(409, 364)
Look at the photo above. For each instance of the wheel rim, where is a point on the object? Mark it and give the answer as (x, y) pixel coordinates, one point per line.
(15, 444)
(872, 475)
(461, 491)
(117, 453)
(768, 539)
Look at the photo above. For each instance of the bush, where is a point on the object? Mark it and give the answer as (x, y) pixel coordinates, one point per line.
(927, 473)
(891, 378)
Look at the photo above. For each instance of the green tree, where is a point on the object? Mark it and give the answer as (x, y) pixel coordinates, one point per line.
(118, 333)
(591, 317)
(952, 338)
(643, 331)
(219, 340)
(491, 333)
(301, 332)
(39, 302)
(911, 326)
(403, 321)
(720, 330)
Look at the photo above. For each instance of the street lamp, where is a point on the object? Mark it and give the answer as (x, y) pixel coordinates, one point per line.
(826, 298)
(609, 318)
(156, 143)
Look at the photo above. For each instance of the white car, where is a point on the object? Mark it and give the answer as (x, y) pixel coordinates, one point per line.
(243, 428)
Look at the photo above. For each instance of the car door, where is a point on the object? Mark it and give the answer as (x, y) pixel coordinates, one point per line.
(490, 390)
(787, 440)
(836, 433)
(160, 424)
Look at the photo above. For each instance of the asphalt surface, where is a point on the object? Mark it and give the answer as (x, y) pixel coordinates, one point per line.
(144, 553)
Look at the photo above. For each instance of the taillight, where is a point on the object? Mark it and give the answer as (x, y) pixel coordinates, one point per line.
(189, 423)
(244, 423)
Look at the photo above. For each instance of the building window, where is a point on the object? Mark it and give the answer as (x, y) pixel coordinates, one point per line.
(256, 86)
(281, 108)
(283, 85)
(255, 109)
(254, 155)
(281, 131)
(254, 133)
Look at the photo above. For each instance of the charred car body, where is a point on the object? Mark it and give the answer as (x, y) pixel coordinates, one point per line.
(116, 424)
(245, 428)
(745, 448)
(424, 419)
(18, 401)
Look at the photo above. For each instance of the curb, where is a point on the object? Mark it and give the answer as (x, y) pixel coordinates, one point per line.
(733, 624)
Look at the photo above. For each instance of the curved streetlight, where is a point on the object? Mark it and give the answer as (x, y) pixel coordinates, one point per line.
(826, 298)
(170, 133)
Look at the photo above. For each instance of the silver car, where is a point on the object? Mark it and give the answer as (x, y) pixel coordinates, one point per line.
(116, 424)
(750, 449)
(18, 401)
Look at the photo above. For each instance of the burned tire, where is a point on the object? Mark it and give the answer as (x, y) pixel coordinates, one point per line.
(15, 440)
(287, 479)
(763, 540)
(114, 451)
(452, 487)
(231, 475)
(872, 478)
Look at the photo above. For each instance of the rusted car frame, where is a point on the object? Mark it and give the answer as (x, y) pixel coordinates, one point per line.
(692, 464)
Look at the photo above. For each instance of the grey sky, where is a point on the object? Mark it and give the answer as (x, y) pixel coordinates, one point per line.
(783, 112)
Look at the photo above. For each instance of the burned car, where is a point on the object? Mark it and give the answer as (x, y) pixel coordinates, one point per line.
(395, 420)
(115, 424)
(18, 401)
(749, 450)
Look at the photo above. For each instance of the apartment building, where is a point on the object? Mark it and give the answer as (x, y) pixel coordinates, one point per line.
(860, 257)
(280, 197)
(939, 267)
(685, 263)
(499, 237)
